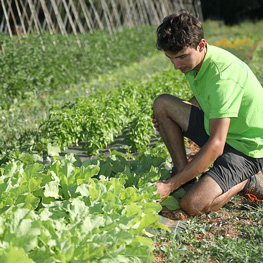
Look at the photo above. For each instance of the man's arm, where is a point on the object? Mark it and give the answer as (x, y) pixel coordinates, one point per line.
(204, 158)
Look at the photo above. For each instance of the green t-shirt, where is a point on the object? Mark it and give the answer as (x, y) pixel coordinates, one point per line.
(226, 87)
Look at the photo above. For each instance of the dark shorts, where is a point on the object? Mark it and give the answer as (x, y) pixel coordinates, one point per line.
(232, 167)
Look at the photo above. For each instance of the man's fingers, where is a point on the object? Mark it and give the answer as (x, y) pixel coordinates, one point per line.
(163, 189)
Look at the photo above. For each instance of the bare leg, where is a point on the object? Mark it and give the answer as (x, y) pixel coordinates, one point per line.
(173, 116)
(207, 196)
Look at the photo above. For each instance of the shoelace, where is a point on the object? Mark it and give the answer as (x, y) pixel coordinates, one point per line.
(252, 195)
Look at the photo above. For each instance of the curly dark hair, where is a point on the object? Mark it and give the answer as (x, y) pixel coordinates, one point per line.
(178, 31)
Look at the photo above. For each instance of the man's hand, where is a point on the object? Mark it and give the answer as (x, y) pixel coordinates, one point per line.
(164, 188)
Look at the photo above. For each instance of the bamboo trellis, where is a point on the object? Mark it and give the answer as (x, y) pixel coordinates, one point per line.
(19, 17)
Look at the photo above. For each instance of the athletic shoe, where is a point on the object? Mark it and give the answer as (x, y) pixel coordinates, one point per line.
(254, 189)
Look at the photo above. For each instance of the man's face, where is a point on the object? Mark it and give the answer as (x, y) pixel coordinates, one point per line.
(188, 58)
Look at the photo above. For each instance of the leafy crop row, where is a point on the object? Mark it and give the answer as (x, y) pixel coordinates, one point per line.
(69, 211)
(26, 69)
(97, 120)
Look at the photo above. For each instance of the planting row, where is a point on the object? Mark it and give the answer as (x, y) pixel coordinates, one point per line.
(69, 211)
(97, 120)
(27, 70)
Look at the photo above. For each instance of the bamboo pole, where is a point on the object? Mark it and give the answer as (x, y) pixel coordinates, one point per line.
(140, 12)
(147, 9)
(155, 14)
(2, 23)
(115, 12)
(160, 9)
(151, 12)
(53, 17)
(96, 15)
(86, 15)
(65, 21)
(59, 19)
(24, 13)
(37, 13)
(51, 27)
(181, 5)
(71, 23)
(32, 7)
(20, 17)
(127, 13)
(68, 16)
(26, 16)
(110, 16)
(7, 20)
(14, 20)
(133, 13)
(3, 49)
(167, 8)
(8, 13)
(106, 15)
(59, 6)
(81, 28)
(74, 17)
(145, 12)
(33, 14)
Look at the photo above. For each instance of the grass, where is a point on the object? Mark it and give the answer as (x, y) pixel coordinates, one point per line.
(230, 235)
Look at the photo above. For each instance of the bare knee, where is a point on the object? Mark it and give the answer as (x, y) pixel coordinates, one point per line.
(162, 104)
(159, 103)
(193, 208)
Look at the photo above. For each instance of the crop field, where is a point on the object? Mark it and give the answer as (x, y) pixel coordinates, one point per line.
(61, 208)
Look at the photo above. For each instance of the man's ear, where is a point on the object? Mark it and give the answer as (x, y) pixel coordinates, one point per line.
(202, 44)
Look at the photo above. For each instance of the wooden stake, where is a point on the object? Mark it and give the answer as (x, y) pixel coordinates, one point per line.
(106, 15)
(3, 49)
(14, 20)
(127, 13)
(115, 12)
(33, 16)
(81, 29)
(145, 12)
(96, 15)
(134, 13)
(156, 19)
(58, 17)
(48, 18)
(86, 15)
(20, 17)
(7, 20)
(139, 12)
(33, 13)
(32, 7)
(71, 22)
(26, 16)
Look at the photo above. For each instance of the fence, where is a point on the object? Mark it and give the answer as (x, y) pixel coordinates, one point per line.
(66, 17)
